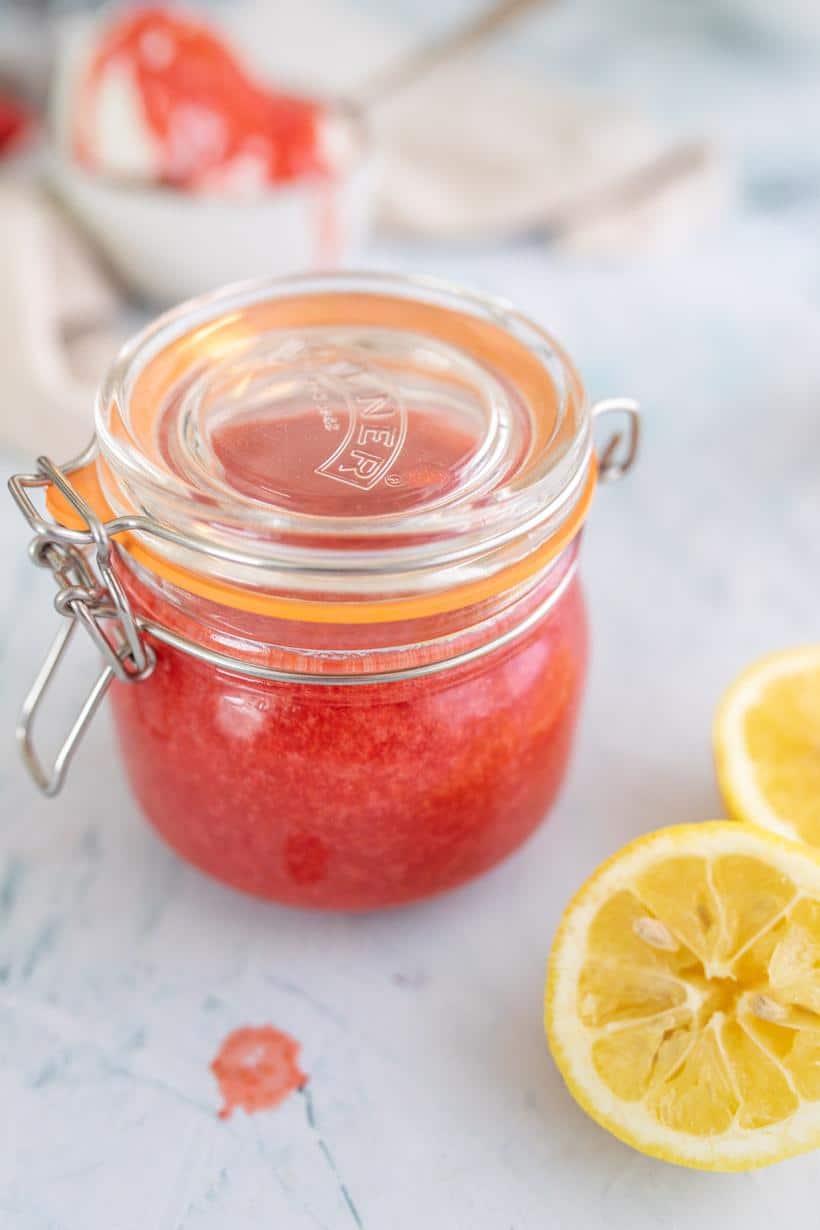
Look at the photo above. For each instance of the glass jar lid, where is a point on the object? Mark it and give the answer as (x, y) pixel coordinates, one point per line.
(352, 446)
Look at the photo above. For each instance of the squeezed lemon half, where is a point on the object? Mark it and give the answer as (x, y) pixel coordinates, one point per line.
(683, 996)
(767, 745)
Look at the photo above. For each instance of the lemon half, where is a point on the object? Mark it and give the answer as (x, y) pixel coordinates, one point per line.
(767, 745)
(683, 996)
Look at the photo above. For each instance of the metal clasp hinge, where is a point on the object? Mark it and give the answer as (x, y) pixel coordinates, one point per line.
(621, 449)
(88, 594)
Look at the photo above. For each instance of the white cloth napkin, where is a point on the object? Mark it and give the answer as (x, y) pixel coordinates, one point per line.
(58, 323)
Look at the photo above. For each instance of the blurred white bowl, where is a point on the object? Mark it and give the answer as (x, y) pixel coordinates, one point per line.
(168, 245)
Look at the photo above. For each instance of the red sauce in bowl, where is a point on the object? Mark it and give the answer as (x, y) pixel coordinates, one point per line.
(211, 122)
(17, 124)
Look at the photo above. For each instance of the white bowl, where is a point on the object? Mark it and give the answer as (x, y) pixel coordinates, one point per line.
(168, 245)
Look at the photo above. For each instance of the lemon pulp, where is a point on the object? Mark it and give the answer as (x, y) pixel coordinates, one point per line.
(684, 996)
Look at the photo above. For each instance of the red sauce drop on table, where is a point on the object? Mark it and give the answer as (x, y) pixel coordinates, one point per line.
(257, 1067)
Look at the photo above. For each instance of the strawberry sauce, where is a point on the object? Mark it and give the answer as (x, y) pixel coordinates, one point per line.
(357, 797)
(211, 124)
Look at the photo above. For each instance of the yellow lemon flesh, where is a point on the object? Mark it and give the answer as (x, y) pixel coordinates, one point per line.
(683, 996)
(767, 745)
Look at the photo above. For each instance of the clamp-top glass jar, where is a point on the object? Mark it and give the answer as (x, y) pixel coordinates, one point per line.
(326, 541)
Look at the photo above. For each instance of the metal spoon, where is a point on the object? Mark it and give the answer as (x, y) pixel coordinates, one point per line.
(420, 61)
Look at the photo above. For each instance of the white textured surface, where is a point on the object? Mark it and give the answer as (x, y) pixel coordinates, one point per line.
(436, 1103)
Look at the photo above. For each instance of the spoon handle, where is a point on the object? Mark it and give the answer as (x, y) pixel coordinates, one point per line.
(421, 61)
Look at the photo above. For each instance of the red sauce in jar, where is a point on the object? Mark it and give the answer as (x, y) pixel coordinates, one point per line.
(354, 797)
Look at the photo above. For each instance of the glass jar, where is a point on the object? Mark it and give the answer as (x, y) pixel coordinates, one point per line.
(326, 540)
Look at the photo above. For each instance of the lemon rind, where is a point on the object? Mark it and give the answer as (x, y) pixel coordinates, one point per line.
(735, 768)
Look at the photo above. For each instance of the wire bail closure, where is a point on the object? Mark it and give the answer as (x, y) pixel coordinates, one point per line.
(89, 594)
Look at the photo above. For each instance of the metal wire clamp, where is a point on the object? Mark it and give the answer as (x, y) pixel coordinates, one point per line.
(88, 594)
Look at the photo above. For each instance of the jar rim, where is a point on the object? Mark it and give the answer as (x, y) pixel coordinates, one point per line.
(523, 479)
